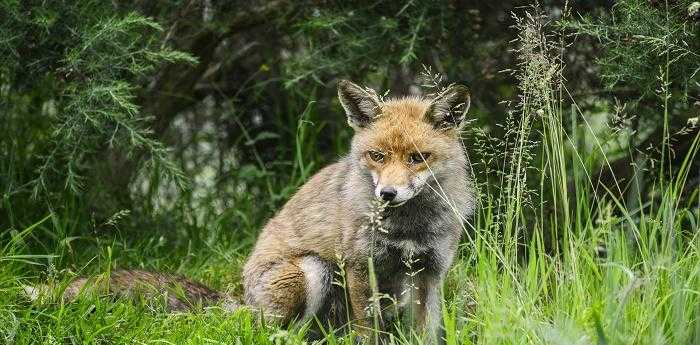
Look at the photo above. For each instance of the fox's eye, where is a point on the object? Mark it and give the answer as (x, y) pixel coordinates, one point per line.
(418, 157)
(376, 156)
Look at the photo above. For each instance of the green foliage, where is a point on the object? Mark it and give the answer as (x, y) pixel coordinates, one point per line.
(638, 37)
(380, 36)
(70, 81)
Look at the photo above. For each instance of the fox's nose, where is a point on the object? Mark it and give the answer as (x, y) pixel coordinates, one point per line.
(388, 193)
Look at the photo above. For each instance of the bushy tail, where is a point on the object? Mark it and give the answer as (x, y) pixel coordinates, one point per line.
(179, 293)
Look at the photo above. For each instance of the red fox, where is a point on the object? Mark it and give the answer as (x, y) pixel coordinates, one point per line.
(406, 153)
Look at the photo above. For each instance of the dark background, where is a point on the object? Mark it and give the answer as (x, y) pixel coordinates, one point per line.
(188, 119)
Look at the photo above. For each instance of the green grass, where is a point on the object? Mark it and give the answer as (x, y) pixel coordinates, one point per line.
(645, 291)
(540, 262)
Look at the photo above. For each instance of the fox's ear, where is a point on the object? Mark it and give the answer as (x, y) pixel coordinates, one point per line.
(361, 104)
(449, 108)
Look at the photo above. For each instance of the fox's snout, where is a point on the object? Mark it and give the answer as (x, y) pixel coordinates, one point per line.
(394, 194)
(396, 183)
(397, 192)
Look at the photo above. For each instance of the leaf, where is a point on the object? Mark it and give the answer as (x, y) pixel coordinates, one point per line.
(262, 136)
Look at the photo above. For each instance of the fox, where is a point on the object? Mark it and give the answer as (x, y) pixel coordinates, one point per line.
(405, 152)
(407, 165)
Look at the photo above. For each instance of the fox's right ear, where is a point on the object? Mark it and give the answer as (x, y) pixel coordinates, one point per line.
(361, 104)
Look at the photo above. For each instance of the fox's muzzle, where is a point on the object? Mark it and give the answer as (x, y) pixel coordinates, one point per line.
(397, 185)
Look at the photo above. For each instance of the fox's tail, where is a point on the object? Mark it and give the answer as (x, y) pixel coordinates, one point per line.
(179, 293)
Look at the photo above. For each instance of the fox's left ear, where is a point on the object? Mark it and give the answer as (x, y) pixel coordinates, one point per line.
(449, 108)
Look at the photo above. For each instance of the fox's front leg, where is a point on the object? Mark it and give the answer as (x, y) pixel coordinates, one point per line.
(427, 313)
(359, 293)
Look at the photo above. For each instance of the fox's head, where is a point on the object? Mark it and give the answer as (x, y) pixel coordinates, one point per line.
(407, 142)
